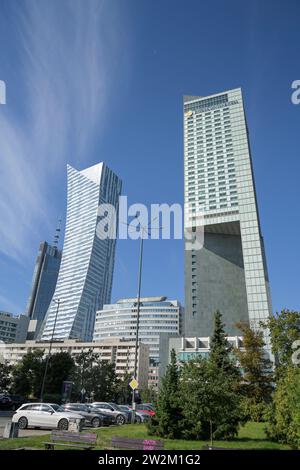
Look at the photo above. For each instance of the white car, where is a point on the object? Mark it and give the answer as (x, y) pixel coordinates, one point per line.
(45, 415)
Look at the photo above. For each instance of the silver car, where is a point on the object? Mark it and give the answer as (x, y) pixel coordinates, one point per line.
(120, 417)
(45, 415)
(140, 417)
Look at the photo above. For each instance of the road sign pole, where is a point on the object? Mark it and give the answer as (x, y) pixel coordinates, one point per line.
(133, 385)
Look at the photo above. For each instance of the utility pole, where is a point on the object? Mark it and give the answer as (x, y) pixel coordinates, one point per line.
(137, 323)
(50, 347)
(143, 230)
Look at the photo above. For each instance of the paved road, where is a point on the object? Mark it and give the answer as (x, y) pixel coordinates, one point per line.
(22, 432)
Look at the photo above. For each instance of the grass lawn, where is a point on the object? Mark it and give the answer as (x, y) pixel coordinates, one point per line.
(251, 436)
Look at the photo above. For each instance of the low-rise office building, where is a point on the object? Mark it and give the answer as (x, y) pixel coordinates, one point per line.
(115, 350)
(189, 348)
(13, 329)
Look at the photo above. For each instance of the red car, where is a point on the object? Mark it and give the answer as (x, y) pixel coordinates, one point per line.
(145, 409)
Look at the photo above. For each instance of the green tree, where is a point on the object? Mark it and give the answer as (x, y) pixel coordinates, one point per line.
(168, 421)
(60, 368)
(284, 418)
(5, 376)
(105, 381)
(256, 386)
(123, 391)
(211, 407)
(149, 395)
(221, 351)
(83, 374)
(200, 399)
(96, 377)
(28, 373)
(284, 329)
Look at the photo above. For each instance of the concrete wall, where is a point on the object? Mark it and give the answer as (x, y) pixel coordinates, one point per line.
(22, 329)
(166, 343)
(220, 285)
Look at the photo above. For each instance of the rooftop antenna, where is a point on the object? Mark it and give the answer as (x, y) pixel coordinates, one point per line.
(57, 233)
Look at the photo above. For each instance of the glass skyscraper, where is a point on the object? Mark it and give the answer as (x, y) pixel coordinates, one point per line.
(229, 273)
(43, 282)
(85, 278)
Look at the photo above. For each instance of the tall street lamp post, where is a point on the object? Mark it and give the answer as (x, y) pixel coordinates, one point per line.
(57, 301)
(137, 323)
(143, 230)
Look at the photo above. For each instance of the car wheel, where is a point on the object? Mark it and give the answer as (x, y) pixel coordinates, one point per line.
(23, 422)
(138, 419)
(96, 423)
(120, 419)
(63, 425)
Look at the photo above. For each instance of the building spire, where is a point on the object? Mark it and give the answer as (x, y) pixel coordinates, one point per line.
(57, 233)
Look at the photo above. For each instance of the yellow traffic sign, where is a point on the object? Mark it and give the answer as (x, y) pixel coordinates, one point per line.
(133, 384)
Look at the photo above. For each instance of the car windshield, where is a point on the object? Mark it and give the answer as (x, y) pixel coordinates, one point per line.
(82, 407)
(57, 407)
(115, 407)
(98, 408)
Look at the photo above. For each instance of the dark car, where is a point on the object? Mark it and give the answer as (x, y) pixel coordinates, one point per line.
(118, 416)
(92, 417)
(17, 401)
(5, 402)
(92, 409)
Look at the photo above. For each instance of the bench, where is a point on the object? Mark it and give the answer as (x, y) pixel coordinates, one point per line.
(136, 444)
(71, 439)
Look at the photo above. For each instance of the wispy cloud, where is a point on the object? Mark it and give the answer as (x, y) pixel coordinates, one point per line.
(9, 306)
(67, 55)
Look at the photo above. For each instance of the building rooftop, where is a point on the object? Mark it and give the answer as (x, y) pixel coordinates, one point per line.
(142, 299)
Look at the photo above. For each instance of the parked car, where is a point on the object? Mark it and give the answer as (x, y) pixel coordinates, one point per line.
(145, 409)
(140, 416)
(105, 413)
(92, 418)
(45, 415)
(120, 417)
(17, 401)
(150, 405)
(5, 402)
(93, 409)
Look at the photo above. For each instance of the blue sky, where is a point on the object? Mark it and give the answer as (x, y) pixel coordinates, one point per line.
(91, 81)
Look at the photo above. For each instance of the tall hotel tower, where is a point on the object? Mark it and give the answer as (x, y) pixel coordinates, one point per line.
(229, 273)
(85, 277)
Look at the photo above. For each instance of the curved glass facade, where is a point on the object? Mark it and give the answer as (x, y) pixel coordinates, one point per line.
(85, 278)
(43, 282)
(156, 317)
